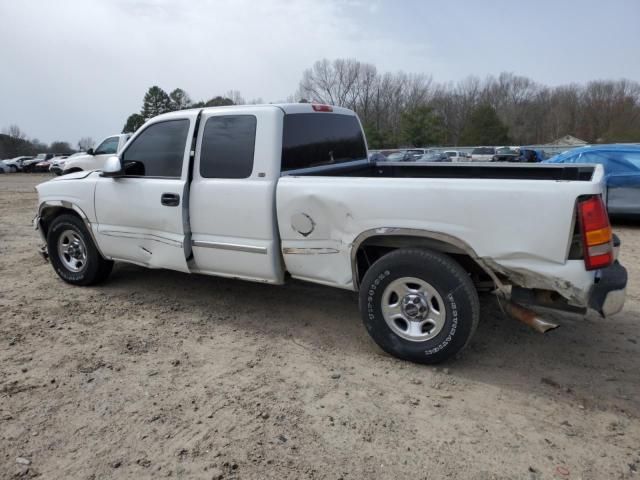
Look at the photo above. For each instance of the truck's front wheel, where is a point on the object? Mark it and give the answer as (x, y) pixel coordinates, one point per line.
(419, 305)
(72, 253)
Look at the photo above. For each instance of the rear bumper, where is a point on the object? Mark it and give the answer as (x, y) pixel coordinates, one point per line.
(608, 294)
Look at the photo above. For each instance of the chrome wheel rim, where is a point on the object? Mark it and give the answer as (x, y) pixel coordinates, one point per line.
(72, 251)
(413, 309)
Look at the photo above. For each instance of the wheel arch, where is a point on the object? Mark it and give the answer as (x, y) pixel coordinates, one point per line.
(375, 243)
(51, 209)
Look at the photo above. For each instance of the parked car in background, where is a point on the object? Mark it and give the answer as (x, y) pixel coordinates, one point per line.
(505, 154)
(483, 154)
(622, 174)
(29, 165)
(409, 155)
(530, 155)
(377, 157)
(95, 159)
(4, 168)
(434, 156)
(15, 164)
(456, 156)
(56, 164)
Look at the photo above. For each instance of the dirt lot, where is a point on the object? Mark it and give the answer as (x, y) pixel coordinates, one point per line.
(161, 374)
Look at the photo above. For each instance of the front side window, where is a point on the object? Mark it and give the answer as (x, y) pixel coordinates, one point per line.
(158, 151)
(313, 139)
(109, 146)
(228, 144)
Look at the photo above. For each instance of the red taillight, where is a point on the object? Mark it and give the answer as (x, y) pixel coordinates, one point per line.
(317, 107)
(596, 233)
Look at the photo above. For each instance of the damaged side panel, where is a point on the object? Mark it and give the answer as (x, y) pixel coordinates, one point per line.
(503, 226)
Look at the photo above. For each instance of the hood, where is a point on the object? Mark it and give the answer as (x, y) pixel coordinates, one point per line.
(72, 176)
(78, 158)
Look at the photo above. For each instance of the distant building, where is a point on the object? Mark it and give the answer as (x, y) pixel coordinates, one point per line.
(568, 140)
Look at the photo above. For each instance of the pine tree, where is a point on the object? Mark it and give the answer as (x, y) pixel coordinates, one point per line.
(421, 127)
(134, 122)
(156, 101)
(484, 127)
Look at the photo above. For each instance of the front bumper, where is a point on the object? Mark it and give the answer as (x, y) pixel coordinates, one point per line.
(609, 292)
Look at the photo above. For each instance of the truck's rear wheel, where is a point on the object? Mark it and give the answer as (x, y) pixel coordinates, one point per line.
(419, 305)
(73, 254)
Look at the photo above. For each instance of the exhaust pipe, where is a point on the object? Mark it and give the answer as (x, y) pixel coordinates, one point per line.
(529, 317)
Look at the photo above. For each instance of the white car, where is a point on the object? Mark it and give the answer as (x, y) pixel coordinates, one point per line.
(95, 159)
(30, 164)
(483, 154)
(15, 164)
(456, 156)
(58, 163)
(271, 192)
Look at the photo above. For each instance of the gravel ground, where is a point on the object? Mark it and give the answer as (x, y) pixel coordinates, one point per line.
(161, 374)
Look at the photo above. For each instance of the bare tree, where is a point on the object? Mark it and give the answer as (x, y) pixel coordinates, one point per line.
(14, 131)
(85, 143)
(235, 96)
(534, 113)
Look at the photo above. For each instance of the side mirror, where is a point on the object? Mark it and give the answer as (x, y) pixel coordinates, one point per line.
(112, 167)
(89, 151)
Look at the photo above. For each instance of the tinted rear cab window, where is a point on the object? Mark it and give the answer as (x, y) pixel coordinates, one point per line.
(314, 139)
(228, 145)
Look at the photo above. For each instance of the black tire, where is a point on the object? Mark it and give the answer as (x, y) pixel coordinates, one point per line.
(457, 294)
(95, 268)
(13, 168)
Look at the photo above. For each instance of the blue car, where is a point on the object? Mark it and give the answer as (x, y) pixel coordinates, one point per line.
(622, 174)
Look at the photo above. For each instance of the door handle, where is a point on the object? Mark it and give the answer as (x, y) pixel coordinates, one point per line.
(170, 199)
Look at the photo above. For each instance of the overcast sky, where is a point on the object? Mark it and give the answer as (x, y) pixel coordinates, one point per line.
(73, 68)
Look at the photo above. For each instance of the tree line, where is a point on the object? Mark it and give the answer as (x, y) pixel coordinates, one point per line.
(157, 101)
(405, 109)
(14, 142)
(412, 109)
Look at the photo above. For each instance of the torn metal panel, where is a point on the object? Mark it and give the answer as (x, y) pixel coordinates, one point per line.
(574, 284)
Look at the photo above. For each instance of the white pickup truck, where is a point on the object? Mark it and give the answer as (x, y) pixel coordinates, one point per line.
(270, 192)
(95, 159)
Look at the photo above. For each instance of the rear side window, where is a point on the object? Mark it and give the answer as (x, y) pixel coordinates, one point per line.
(158, 151)
(313, 139)
(228, 144)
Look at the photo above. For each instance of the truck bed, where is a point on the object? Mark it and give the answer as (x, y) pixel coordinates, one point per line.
(505, 224)
(496, 171)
